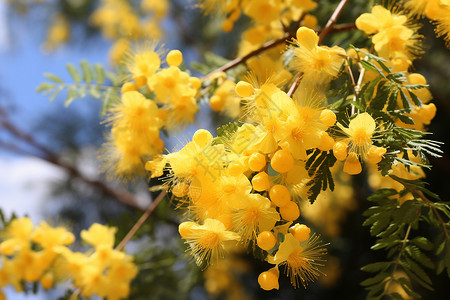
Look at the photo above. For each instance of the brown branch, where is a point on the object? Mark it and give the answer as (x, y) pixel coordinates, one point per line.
(141, 220)
(242, 59)
(332, 20)
(343, 27)
(289, 35)
(295, 85)
(50, 157)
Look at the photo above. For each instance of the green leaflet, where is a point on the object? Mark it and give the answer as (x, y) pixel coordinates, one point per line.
(88, 80)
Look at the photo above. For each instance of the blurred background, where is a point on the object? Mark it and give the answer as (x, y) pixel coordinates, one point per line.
(48, 152)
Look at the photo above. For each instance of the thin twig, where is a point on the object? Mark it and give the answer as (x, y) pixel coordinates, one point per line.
(132, 231)
(343, 27)
(141, 220)
(337, 12)
(50, 157)
(421, 195)
(357, 87)
(242, 59)
(295, 85)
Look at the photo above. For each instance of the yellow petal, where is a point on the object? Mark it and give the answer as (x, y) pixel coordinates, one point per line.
(367, 23)
(307, 38)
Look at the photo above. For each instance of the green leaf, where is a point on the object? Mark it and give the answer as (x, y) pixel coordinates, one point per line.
(417, 279)
(55, 93)
(381, 96)
(53, 78)
(392, 101)
(73, 73)
(415, 86)
(375, 279)
(423, 243)
(369, 55)
(415, 253)
(404, 98)
(72, 94)
(376, 267)
(100, 73)
(108, 95)
(46, 87)
(415, 99)
(380, 225)
(87, 72)
(372, 67)
(94, 91)
(397, 296)
(417, 270)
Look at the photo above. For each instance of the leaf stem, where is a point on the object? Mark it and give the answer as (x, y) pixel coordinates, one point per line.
(397, 261)
(358, 85)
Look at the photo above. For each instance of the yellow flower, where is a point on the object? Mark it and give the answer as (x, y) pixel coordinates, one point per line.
(58, 32)
(393, 37)
(360, 131)
(318, 63)
(207, 241)
(197, 157)
(157, 7)
(119, 50)
(49, 237)
(234, 190)
(301, 259)
(255, 216)
(268, 69)
(175, 90)
(99, 235)
(18, 236)
(302, 132)
(443, 23)
(143, 63)
(417, 7)
(226, 100)
(263, 11)
(134, 135)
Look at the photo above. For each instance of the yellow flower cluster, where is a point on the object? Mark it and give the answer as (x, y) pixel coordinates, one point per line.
(264, 13)
(158, 98)
(237, 190)
(41, 254)
(57, 33)
(436, 10)
(119, 21)
(394, 37)
(361, 133)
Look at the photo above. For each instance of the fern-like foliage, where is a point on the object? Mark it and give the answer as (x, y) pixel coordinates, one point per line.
(88, 80)
(318, 166)
(409, 257)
